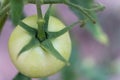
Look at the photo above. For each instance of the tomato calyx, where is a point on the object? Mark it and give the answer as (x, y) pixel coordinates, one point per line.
(46, 44)
(44, 39)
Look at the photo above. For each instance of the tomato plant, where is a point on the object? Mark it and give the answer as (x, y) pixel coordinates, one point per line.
(41, 46)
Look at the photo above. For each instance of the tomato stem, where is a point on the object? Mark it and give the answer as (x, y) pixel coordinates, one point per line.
(40, 21)
(39, 11)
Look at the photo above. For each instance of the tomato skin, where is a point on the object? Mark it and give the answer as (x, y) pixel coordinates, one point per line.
(35, 62)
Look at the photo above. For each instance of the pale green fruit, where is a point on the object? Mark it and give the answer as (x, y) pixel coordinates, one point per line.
(35, 62)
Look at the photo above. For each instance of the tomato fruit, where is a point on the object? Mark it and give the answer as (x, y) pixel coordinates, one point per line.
(36, 62)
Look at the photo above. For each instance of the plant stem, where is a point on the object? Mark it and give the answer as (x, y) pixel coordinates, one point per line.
(39, 11)
(41, 32)
(6, 8)
(67, 2)
(49, 1)
(98, 8)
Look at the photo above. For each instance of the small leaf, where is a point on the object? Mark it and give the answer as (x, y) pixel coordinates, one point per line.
(47, 16)
(61, 32)
(97, 32)
(48, 46)
(16, 10)
(33, 42)
(20, 76)
(29, 29)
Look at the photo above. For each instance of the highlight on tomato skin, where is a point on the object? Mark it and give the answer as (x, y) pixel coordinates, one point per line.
(36, 62)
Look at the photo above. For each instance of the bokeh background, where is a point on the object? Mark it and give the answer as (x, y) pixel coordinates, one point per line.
(90, 59)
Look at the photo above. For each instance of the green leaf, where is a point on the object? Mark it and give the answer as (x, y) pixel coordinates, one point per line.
(61, 32)
(2, 21)
(97, 32)
(29, 29)
(94, 29)
(47, 16)
(48, 46)
(16, 10)
(20, 76)
(33, 42)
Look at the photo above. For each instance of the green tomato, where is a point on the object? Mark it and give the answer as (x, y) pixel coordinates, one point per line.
(36, 62)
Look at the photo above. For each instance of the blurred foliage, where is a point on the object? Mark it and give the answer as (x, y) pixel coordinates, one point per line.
(94, 29)
(16, 10)
(2, 21)
(83, 68)
(3, 17)
(19, 76)
(80, 69)
(71, 72)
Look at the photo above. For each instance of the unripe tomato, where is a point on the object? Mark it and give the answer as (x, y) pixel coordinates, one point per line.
(36, 62)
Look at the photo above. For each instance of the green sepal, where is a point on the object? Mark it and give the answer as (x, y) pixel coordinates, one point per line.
(53, 35)
(46, 18)
(30, 30)
(20, 76)
(16, 10)
(32, 43)
(48, 46)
